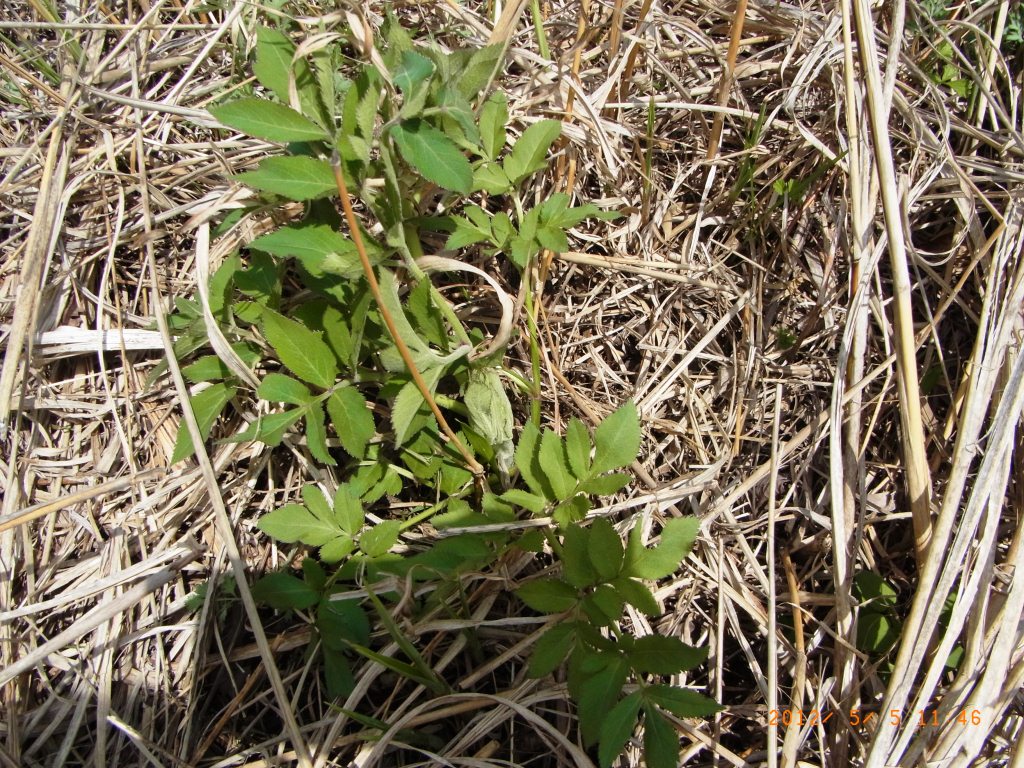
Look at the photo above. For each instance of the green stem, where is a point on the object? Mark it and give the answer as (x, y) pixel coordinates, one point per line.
(531, 326)
(538, 26)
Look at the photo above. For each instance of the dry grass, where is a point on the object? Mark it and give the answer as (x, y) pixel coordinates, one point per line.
(826, 377)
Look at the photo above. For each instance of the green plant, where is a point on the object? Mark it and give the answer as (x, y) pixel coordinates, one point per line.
(880, 624)
(425, 152)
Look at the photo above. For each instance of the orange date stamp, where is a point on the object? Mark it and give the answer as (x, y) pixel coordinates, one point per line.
(863, 718)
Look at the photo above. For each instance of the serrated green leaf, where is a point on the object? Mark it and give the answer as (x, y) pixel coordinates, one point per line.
(434, 155)
(274, 53)
(425, 357)
(501, 229)
(490, 178)
(663, 655)
(548, 595)
(555, 466)
(617, 440)
(352, 420)
(317, 504)
(314, 574)
(348, 509)
(605, 549)
(467, 233)
(526, 458)
(551, 649)
(577, 448)
(478, 71)
(302, 351)
(661, 742)
(423, 313)
(320, 248)
(274, 64)
(206, 406)
(282, 592)
(529, 154)
(338, 676)
(576, 565)
(267, 120)
(261, 281)
(637, 595)
(337, 549)
(552, 238)
(327, 319)
(270, 428)
(376, 541)
(413, 70)
(339, 621)
(206, 368)
(680, 701)
(677, 538)
(408, 402)
(316, 435)
(595, 694)
(606, 485)
(294, 522)
(279, 388)
(571, 511)
(458, 119)
(528, 501)
(295, 177)
(359, 115)
(493, 119)
(618, 727)
(603, 605)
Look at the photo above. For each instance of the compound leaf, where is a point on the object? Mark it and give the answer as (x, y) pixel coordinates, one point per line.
(552, 648)
(617, 440)
(681, 702)
(677, 538)
(294, 177)
(661, 742)
(555, 465)
(316, 435)
(267, 120)
(605, 549)
(434, 155)
(352, 420)
(303, 351)
(377, 540)
(294, 522)
(206, 406)
(529, 154)
(618, 727)
(279, 388)
(493, 119)
(548, 595)
(283, 591)
(595, 694)
(663, 655)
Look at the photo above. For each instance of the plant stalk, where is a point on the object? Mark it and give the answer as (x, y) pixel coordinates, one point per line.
(403, 349)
